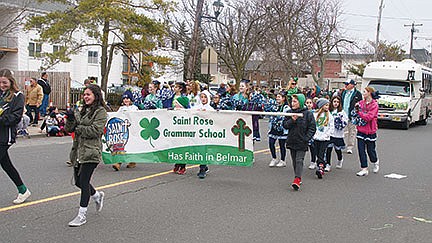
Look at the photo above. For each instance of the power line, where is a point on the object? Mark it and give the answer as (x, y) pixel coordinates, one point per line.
(384, 17)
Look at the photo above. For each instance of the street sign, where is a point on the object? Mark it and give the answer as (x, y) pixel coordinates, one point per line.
(209, 61)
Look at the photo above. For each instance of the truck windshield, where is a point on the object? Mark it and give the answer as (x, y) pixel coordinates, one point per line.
(390, 87)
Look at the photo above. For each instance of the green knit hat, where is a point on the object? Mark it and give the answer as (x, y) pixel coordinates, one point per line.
(301, 99)
(183, 101)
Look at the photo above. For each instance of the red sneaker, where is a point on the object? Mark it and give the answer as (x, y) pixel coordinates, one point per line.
(176, 168)
(296, 183)
(182, 171)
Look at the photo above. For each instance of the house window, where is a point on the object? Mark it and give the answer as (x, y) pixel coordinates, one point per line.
(35, 49)
(174, 44)
(93, 57)
(125, 64)
(56, 48)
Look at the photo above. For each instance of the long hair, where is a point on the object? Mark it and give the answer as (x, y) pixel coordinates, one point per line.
(98, 101)
(13, 84)
(232, 89)
(195, 87)
(326, 114)
(339, 108)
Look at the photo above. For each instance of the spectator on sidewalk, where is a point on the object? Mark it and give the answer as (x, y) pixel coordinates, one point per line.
(33, 98)
(23, 124)
(11, 110)
(350, 96)
(46, 89)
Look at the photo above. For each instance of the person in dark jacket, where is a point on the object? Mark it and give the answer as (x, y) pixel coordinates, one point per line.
(350, 96)
(301, 130)
(11, 110)
(46, 88)
(88, 125)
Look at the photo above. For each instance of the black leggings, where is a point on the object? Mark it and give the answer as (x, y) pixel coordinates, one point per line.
(329, 152)
(7, 166)
(282, 148)
(82, 175)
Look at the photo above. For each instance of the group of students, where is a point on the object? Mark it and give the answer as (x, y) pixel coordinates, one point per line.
(320, 129)
(318, 126)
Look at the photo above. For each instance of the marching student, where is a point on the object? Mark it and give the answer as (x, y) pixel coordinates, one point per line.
(324, 129)
(337, 142)
(180, 101)
(127, 101)
(277, 131)
(204, 105)
(11, 110)
(88, 125)
(310, 105)
(152, 100)
(301, 130)
(367, 109)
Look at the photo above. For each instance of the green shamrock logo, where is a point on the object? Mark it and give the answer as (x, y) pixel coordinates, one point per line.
(150, 130)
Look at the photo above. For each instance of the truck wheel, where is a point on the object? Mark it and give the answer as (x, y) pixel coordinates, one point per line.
(406, 124)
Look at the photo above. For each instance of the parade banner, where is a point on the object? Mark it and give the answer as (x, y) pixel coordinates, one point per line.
(178, 136)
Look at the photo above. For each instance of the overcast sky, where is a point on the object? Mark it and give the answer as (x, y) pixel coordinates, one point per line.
(361, 16)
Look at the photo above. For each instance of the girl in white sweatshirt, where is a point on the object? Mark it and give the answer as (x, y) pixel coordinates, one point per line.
(337, 137)
(324, 129)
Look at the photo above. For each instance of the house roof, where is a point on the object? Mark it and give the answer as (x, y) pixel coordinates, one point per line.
(421, 56)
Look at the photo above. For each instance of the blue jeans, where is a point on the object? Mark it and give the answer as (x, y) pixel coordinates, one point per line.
(43, 107)
(370, 147)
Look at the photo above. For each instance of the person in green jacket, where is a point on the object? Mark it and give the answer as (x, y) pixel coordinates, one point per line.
(88, 125)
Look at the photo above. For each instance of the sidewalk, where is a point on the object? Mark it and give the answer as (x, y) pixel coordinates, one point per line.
(33, 132)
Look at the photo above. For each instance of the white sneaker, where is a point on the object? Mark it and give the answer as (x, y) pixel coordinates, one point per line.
(99, 201)
(339, 164)
(376, 167)
(349, 151)
(327, 168)
(363, 172)
(281, 164)
(273, 163)
(22, 197)
(312, 166)
(79, 220)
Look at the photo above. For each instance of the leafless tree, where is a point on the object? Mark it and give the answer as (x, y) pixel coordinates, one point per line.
(320, 27)
(237, 34)
(283, 38)
(12, 16)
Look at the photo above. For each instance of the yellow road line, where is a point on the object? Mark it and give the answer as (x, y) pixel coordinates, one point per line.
(44, 200)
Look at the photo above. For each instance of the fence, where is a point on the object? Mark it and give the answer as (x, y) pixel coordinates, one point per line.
(59, 81)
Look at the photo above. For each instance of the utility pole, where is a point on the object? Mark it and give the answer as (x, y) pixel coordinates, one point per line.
(412, 36)
(378, 30)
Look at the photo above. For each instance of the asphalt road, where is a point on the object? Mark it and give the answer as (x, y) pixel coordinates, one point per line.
(233, 204)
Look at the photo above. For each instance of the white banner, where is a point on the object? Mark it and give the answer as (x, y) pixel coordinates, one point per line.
(178, 136)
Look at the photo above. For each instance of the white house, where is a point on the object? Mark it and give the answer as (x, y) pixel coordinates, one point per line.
(20, 52)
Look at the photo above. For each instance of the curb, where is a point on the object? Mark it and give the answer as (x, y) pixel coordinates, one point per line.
(38, 135)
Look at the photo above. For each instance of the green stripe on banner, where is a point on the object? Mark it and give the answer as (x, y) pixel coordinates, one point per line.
(204, 154)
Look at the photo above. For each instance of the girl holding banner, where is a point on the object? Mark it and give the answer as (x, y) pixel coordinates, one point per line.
(301, 130)
(180, 101)
(277, 131)
(204, 105)
(127, 101)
